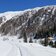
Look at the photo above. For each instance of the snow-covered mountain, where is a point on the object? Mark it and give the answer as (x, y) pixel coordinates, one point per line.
(31, 21)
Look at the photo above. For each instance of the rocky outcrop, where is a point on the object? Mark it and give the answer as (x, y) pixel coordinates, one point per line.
(33, 21)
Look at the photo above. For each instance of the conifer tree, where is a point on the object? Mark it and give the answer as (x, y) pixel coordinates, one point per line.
(25, 37)
(55, 44)
(30, 41)
(46, 41)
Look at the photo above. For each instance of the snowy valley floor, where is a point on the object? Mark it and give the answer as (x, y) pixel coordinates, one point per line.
(12, 47)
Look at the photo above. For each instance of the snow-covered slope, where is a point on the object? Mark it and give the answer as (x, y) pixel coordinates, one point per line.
(14, 48)
(10, 14)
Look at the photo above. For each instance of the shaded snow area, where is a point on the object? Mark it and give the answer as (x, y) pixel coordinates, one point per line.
(12, 47)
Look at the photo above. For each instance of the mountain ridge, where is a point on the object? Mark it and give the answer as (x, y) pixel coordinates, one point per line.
(32, 20)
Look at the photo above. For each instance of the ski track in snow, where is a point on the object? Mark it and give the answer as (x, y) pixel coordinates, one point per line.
(26, 49)
(14, 48)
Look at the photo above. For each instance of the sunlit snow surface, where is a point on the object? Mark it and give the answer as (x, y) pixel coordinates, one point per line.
(12, 46)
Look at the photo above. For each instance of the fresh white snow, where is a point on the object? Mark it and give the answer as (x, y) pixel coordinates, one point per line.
(12, 47)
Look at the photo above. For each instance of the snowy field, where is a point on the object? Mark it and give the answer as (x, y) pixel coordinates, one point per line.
(13, 47)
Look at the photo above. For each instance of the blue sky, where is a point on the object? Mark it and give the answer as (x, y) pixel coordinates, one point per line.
(16, 5)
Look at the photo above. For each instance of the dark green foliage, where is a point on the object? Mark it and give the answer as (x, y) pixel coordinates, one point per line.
(46, 41)
(30, 41)
(35, 36)
(25, 37)
(55, 44)
(51, 43)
